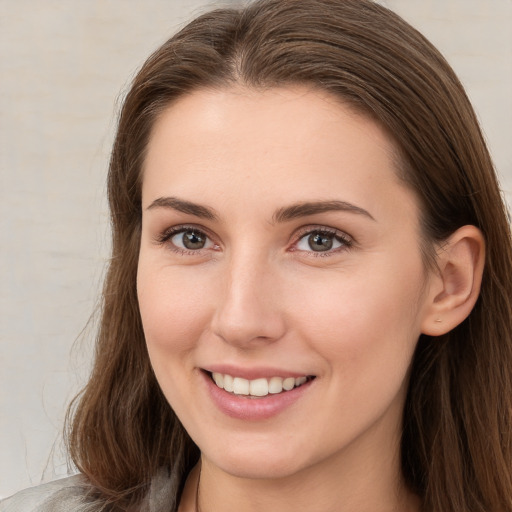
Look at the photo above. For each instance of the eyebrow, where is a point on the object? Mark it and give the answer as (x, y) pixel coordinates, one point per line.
(311, 208)
(180, 205)
(281, 215)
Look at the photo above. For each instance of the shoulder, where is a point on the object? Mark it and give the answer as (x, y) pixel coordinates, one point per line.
(73, 494)
(67, 494)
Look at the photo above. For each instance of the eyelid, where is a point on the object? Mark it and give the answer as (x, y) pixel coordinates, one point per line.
(165, 236)
(348, 240)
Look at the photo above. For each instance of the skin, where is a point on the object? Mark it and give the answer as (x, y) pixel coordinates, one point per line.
(258, 295)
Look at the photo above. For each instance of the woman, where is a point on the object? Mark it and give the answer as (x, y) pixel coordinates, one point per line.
(308, 304)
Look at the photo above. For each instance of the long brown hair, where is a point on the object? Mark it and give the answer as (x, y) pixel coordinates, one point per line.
(456, 448)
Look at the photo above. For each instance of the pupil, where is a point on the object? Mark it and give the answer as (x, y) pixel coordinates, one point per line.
(319, 242)
(193, 240)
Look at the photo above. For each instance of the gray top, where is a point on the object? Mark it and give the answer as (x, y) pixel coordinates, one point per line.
(71, 495)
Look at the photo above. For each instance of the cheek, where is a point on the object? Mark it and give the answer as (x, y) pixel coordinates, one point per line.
(173, 314)
(365, 325)
(173, 308)
(366, 332)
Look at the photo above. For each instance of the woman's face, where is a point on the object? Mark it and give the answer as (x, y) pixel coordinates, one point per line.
(279, 249)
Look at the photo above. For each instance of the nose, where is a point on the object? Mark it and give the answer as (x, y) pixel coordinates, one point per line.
(247, 311)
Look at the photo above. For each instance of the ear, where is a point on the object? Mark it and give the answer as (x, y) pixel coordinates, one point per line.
(455, 286)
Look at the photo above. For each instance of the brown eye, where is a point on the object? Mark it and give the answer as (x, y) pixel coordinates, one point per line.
(190, 239)
(320, 242)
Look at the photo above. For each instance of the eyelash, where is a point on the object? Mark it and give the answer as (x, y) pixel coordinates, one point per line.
(165, 238)
(345, 240)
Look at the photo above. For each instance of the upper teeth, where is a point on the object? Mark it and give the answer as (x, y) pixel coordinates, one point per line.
(256, 387)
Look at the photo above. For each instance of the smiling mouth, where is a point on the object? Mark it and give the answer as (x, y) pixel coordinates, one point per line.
(258, 388)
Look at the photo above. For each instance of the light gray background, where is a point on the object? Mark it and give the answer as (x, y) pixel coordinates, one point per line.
(63, 66)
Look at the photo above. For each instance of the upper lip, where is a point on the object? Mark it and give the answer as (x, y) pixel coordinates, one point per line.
(254, 372)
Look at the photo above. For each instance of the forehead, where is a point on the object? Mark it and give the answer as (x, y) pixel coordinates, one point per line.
(252, 111)
(266, 145)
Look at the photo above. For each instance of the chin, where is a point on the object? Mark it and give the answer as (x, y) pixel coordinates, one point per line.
(271, 463)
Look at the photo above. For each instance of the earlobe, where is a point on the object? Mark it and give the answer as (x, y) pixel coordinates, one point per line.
(454, 289)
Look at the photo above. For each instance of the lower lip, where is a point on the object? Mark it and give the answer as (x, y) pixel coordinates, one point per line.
(246, 408)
